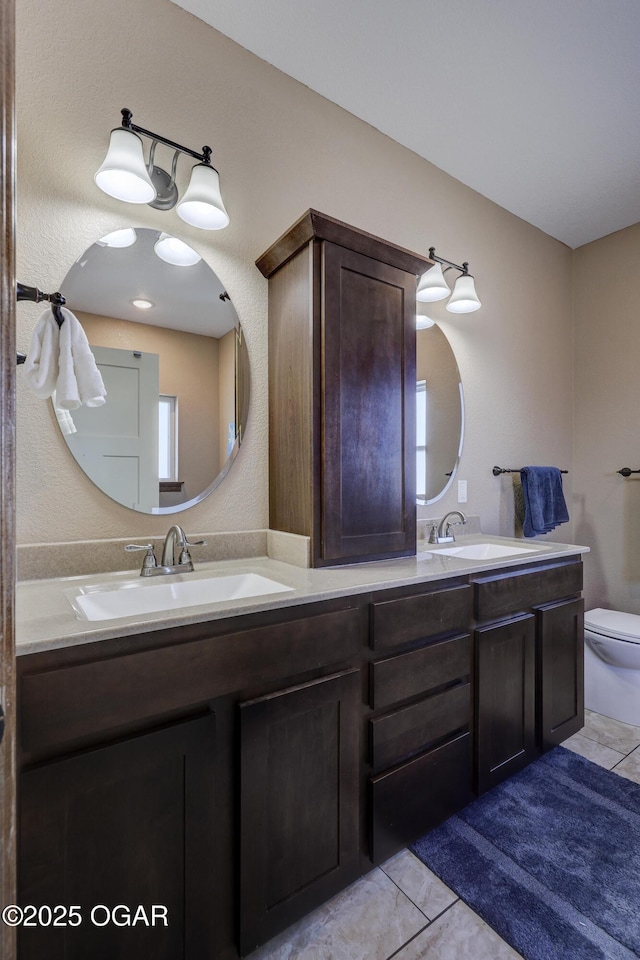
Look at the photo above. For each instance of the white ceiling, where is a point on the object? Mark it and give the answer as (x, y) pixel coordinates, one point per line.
(105, 280)
(533, 103)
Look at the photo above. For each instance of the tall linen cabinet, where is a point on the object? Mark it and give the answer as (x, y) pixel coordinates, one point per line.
(342, 384)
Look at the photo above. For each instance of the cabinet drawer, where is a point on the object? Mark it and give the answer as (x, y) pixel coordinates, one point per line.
(394, 622)
(410, 674)
(496, 596)
(410, 729)
(89, 699)
(414, 798)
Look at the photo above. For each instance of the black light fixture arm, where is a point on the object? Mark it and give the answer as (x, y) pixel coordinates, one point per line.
(204, 157)
(464, 269)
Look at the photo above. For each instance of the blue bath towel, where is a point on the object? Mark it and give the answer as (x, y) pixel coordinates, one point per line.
(544, 503)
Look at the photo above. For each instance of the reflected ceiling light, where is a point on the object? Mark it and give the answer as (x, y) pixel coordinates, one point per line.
(119, 238)
(433, 286)
(142, 304)
(175, 251)
(423, 322)
(126, 176)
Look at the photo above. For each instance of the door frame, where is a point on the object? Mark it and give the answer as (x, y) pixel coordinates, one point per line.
(8, 832)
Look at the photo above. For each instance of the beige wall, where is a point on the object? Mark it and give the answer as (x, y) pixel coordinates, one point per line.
(607, 417)
(280, 149)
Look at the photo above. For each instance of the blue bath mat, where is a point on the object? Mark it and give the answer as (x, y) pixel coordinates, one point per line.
(550, 859)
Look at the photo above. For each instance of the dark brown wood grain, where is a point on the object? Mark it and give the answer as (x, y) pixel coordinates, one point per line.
(368, 408)
(505, 722)
(415, 797)
(394, 736)
(400, 621)
(342, 392)
(75, 703)
(328, 784)
(511, 592)
(299, 801)
(292, 450)
(313, 224)
(129, 823)
(560, 671)
(409, 674)
(7, 467)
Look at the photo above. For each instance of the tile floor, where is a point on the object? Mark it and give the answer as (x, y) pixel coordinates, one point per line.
(402, 910)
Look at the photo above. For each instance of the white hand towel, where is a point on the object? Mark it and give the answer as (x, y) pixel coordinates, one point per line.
(65, 420)
(79, 381)
(41, 366)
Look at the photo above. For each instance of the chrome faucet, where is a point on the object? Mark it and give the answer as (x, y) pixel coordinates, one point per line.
(175, 535)
(442, 533)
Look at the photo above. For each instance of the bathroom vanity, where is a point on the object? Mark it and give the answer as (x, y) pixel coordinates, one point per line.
(243, 764)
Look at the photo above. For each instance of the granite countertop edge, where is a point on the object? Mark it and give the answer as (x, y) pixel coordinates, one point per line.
(45, 619)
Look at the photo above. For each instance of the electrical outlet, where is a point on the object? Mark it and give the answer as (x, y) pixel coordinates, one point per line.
(462, 491)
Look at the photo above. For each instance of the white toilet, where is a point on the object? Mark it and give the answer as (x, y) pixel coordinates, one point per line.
(612, 664)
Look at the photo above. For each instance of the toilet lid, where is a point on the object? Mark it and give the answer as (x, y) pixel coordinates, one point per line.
(613, 623)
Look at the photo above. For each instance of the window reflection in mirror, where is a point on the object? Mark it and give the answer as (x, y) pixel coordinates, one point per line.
(176, 375)
(439, 414)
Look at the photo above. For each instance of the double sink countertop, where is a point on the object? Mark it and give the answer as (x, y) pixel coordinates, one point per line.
(46, 618)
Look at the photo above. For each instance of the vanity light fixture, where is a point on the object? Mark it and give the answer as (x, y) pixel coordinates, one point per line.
(126, 176)
(432, 286)
(175, 251)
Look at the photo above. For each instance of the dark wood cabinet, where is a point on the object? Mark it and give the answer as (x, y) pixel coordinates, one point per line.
(419, 739)
(239, 772)
(529, 666)
(505, 685)
(342, 390)
(299, 802)
(560, 671)
(128, 825)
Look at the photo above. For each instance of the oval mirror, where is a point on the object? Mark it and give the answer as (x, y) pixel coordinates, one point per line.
(169, 345)
(439, 414)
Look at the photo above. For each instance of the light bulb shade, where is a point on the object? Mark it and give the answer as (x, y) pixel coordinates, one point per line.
(423, 322)
(432, 285)
(175, 251)
(202, 204)
(123, 174)
(119, 238)
(464, 298)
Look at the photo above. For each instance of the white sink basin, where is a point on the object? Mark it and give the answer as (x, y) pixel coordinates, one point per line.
(483, 551)
(136, 597)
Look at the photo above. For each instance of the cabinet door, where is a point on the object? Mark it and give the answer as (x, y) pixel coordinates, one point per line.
(560, 683)
(299, 802)
(505, 704)
(368, 408)
(129, 824)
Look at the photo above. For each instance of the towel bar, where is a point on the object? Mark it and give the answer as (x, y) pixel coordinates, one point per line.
(626, 472)
(498, 470)
(37, 296)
